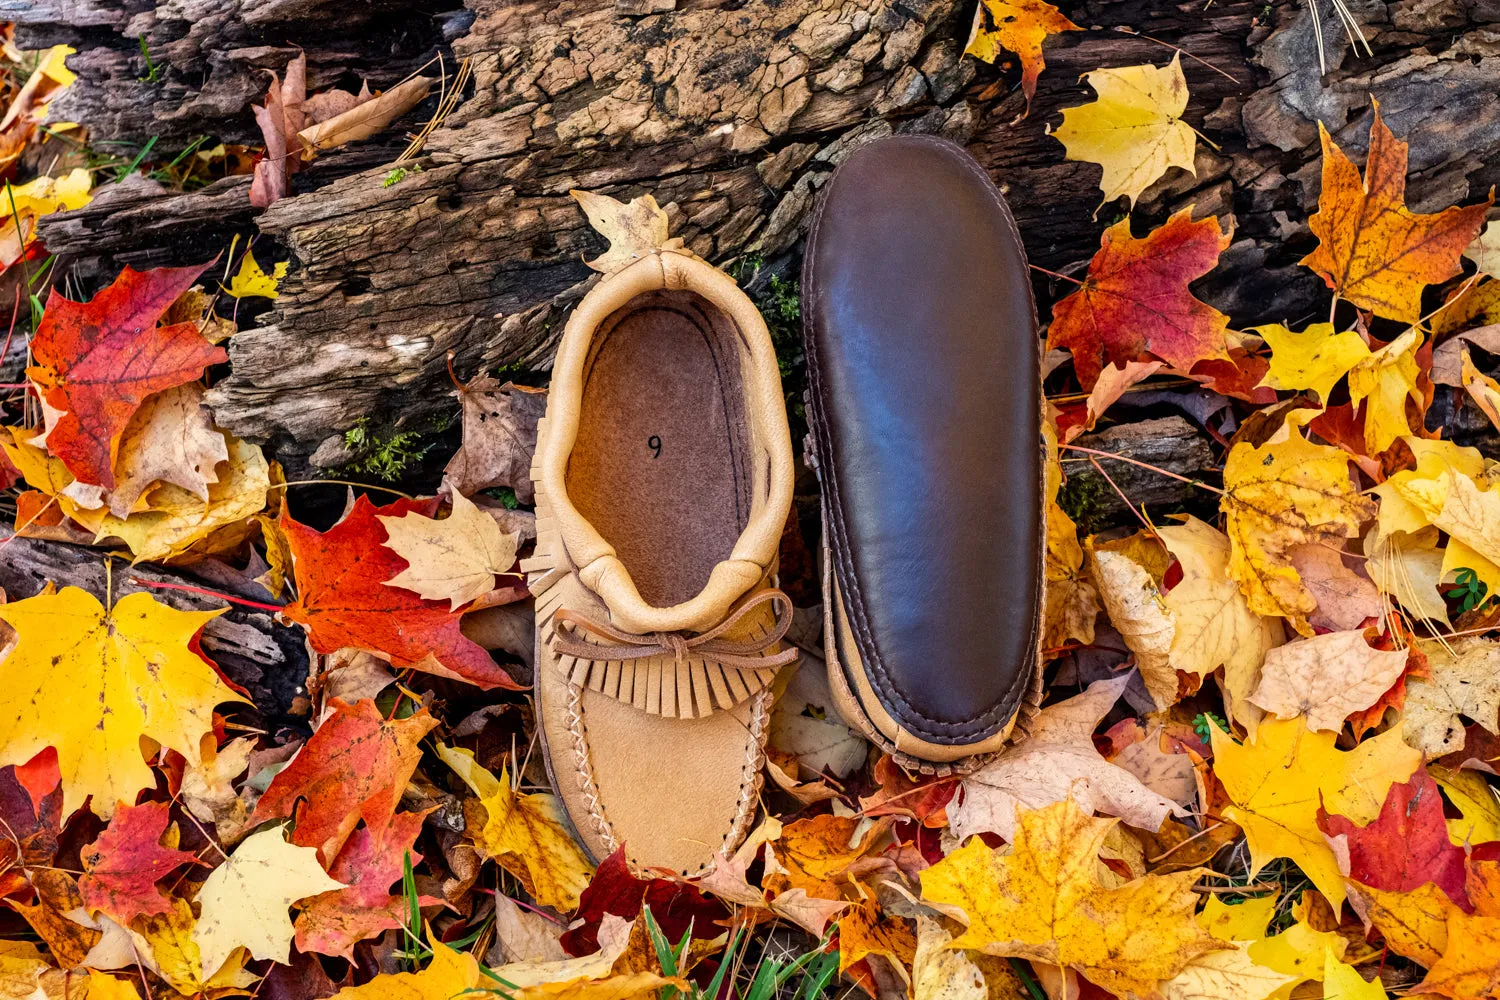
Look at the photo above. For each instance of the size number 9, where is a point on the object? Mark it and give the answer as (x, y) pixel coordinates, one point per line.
(654, 443)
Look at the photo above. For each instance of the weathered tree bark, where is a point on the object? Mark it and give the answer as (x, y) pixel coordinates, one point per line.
(267, 659)
(732, 113)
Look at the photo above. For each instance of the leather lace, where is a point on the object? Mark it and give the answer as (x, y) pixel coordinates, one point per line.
(743, 654)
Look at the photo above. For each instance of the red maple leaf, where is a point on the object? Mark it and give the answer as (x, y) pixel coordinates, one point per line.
(123, 866)
(924, 799)
(676, 906)
(333, 922)
(31, 810)
(343, 599)
(97, 361)
(1135, 300)
(354, 766)
(1407, 845)
(1239, 376)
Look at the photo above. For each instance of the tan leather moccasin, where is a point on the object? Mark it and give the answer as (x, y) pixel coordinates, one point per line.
(663, 479)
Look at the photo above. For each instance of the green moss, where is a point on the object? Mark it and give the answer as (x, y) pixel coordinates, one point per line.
(385, 453)
(1082, 499)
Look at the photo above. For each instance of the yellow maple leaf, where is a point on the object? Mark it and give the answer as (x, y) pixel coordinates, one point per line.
(1433, 459)
(1326, 679)
(1044, 901)
(251, 281)
(1463, 682)
(21, 968)
(1478, 821)
(175, 520)
(1484, 390)
(244, 900)
(1231, 974)
(165, 943)
(1314, 359)
(91, 683)
(1134, 130)
(1455, 503)
(1286, 492)
(102, 987)
(1072, 602)
(1214, 624)
(455, 559)
(1384, 381)
(1019, 26)
(1136, 608)
(1345, 982)
(527, 835)
(450, 974)
(1278, 780)
(1296, 953)
(1469, 968)
(1372, 250)
(1485, 250)
(1409, 567)
(170, 439)
(941, 973)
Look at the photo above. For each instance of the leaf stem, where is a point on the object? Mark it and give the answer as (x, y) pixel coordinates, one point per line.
(204, 590)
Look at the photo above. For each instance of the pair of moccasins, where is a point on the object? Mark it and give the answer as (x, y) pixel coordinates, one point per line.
(664, 473)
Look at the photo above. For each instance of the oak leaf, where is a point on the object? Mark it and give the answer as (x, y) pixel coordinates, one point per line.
(1134, 301)
(91, 683)
(1280, 494)
(96, 362)
(1372, 250)
(455, 559)
(333, 922)
(526, 834)
(1057, 762)
(123, 866)
(1044, 901)
(170, 439)
(1278, 780)
(354, 766)
(1326, 679)
(342, 599)
(1464, 682)
(633, 228)
(1134, 130)
(244, 901)
(1019, 26)
(1407, 844)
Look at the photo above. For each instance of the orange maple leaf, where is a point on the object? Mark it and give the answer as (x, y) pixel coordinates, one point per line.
(1020, 26)
(1135, 299)
(1372, 250)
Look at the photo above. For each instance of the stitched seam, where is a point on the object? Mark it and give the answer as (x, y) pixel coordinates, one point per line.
(996, 717)
(583, 769)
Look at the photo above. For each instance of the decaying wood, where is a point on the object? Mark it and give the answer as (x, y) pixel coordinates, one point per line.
(267, 659)
(1169, 443)
(732, 114)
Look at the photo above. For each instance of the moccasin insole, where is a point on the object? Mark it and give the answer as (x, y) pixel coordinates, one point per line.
(660, 466)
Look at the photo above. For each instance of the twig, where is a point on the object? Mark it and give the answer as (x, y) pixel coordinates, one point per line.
(1055, 274)
(1128, 503)
(1125, 30)
(1144, 465)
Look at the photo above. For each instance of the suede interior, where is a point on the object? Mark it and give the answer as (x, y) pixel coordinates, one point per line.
(661, 464)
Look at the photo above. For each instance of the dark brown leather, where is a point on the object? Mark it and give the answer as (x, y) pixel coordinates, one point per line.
(925, 410)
